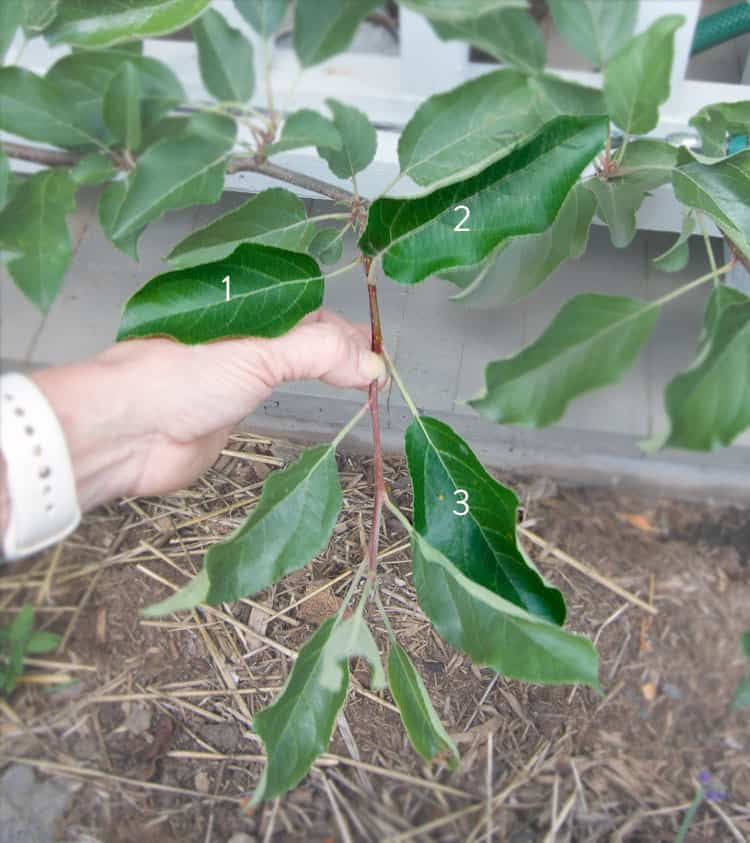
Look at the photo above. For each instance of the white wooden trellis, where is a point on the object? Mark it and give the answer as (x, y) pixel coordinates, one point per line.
(390, 88)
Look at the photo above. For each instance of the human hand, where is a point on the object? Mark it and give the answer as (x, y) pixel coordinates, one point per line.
(149, 416)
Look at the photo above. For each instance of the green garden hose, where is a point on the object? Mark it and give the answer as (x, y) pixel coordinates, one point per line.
(721, 26)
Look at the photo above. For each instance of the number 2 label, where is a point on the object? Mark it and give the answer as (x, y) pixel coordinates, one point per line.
(462, 222)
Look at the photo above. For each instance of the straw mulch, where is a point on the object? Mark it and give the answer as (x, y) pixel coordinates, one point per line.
(151, 718)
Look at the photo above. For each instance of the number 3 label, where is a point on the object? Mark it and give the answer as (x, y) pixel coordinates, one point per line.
(463, 501)
(464, 220)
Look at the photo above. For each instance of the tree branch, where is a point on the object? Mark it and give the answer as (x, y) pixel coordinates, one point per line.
(238, 164)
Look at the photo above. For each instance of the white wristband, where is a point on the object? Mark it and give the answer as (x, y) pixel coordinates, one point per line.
(39, 475)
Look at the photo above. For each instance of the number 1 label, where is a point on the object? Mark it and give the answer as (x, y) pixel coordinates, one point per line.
(228, 283)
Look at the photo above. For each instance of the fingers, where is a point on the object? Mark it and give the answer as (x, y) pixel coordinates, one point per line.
(329, 349)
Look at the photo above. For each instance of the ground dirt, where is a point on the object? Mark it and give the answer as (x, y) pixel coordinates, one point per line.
(156, 724)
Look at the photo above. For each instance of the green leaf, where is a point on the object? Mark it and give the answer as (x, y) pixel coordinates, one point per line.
(21, 628)
(596, 28)
(519, 194)
(524, 263)
(493, 631)
(456, 10)
(645, 165)
(482, 542)
(457, 133)
(93, 168)
(715, 122)
(509, 34)
(637, 77)
(323, 28)
(297, 727)
(591, 343)
(306, 128)
(350, 639)
(11, 17)
(265, 16)
(173, 173)
(327, 245)
(100, 23)
(38, 14)
(677, 255)
(42, 642)
(225, 57)
(33, 227)
(722, 190)
(742, 695)
(269, 289)
(121, 106)
(292, 524)
(426, 733)
(745, 644)
(275, 217)
(358, 141)
(34, 108)
(709, 404)
(83, 78)
(552, 96)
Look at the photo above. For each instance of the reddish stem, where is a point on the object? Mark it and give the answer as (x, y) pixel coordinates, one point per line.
(377, 347)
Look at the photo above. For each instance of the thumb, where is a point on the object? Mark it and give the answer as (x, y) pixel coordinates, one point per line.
(337, 353)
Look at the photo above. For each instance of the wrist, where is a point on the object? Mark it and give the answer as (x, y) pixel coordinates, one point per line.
(96, 405)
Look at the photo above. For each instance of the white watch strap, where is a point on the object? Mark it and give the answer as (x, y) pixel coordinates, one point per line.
(39, 475)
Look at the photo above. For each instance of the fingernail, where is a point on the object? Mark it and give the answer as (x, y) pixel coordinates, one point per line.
(373, 367)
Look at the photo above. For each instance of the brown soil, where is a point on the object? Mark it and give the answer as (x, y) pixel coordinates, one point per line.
(157, 725)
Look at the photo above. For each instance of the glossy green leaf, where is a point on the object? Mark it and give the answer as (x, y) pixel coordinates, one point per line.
(596, 28)
(323, 28)
(358, 141)
(327, 245)
(306, 128)
(717, 121)
(265, 16)
(121, 106)
(722, 190)
(519, 194)
(645, 165)
(33, 228)
(34, 108)
(426, 733)
(225, 58)
(351, 638)
(297, 727)
(93, 168)
(495, 632)
(637, 77)
(457, 133)
(275, 217)
(455, 10)
(524, 263)
(481, 539)
(709, 404)
(11, 18)
(677, 255)
(552, 96)
(173, 173)
(591, 343)
(509, 34)
(270, 290)
(38, 14)
(100, 23)
(82, 79)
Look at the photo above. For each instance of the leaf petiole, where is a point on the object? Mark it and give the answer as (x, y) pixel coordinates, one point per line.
(342, 269)
(401, 385)
(350, 424)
